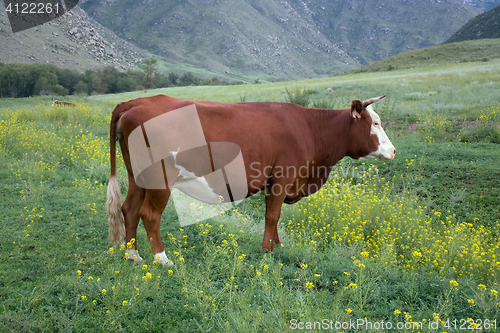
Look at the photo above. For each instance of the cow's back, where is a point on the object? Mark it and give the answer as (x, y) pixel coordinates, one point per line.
(270, 135)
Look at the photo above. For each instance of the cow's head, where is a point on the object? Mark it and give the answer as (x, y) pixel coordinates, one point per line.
(366, 135)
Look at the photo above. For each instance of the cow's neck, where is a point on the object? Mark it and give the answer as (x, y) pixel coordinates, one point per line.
(330, 129)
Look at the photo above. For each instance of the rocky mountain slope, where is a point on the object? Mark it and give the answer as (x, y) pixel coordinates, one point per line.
(483, 26)
(280, 39)
(73, 40)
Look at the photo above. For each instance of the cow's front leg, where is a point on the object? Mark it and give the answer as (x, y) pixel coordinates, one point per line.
(151, 210)
(274, 200)
(276, 238)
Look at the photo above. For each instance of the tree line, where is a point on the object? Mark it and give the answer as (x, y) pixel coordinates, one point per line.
(23, 80)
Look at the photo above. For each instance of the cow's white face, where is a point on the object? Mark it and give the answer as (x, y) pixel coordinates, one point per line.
(386, 150)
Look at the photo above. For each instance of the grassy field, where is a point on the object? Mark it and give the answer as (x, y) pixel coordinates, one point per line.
(410, 242)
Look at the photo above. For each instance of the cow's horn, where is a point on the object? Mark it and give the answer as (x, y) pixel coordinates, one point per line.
(373, 100)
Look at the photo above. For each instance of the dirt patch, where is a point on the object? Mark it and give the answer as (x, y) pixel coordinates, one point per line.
(470, 123)
(390, 124)
(413, 126)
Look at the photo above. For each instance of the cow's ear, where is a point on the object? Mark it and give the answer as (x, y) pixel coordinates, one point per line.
(356, 108)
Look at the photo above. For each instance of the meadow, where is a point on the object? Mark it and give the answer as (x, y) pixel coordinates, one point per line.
(411, 243)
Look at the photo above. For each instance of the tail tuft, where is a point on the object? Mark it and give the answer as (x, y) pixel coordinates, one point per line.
(114, 209)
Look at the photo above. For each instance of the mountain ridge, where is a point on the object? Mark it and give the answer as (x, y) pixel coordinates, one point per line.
(280, 39)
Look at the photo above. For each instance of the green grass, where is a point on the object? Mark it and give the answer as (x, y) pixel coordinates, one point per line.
(59, 274)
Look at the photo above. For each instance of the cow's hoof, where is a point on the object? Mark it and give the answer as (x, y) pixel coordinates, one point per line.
(162, 259)
(133, 255)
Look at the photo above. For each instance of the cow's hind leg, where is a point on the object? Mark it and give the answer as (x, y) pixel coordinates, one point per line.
(150, 212)
(130, 209)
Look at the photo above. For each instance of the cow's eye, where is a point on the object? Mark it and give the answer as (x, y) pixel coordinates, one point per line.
(376, 124)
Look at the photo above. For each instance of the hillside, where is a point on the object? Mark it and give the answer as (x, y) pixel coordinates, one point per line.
(73, 40)
(468, 51)
(372, 30)
(77, 41)
(486, 25)
(280, 39)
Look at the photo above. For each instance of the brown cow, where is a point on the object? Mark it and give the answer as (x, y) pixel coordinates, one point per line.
(287, 152)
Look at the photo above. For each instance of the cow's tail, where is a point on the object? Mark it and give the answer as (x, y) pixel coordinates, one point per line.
(116, 221)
